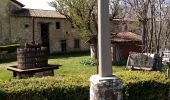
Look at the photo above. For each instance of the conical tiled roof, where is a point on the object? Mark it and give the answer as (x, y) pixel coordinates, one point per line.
(125, 37)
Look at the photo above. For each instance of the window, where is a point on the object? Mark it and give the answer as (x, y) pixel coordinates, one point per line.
(76, 43)
(57, 25)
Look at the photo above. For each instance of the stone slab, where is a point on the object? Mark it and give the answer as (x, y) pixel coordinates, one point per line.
(35, 72)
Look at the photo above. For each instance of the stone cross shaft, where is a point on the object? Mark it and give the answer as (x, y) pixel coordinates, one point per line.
(105, 86)
(104, 43)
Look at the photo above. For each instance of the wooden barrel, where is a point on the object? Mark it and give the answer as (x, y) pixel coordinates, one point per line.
(42, 58)
(30, 57)
(44, 52)
(26, 58)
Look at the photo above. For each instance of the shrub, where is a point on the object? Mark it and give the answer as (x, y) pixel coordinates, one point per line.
(49, 88)
(89, 62)
(137, 86)
(9, 48)
(145, 85)
(119, 63)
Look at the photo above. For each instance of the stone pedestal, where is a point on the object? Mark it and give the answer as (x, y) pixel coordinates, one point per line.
(105, 88)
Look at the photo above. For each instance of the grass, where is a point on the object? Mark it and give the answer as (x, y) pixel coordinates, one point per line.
(70, 65)
(71, 81)
(4, 73)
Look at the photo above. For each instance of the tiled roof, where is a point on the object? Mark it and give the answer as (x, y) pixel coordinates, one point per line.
(17, 2)
(37, 13)
(125, 37)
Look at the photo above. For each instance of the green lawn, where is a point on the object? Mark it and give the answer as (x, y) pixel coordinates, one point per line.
(70, 65)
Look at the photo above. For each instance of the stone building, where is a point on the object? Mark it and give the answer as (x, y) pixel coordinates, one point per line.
(125, 25)
(51, 29)
(125, 37)
(123, 43)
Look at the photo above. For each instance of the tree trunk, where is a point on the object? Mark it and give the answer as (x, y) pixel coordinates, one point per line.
(93, 50)
(144, 36)
(94, 53)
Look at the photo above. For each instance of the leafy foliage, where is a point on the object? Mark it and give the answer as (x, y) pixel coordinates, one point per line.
(89, 62)
(145, 85)
(119, 63)
(81, 13)
(49, 88)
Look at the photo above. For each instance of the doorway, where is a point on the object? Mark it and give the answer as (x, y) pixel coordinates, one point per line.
(63, 46)
(45, 35)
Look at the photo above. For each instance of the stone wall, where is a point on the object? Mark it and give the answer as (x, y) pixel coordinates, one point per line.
(23, 34)
(134, 26)
(122, 25)
(6, 7)
(118, 25)
(19, 29)
(4, 19)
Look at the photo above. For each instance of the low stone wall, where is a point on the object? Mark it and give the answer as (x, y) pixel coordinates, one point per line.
(7, 56)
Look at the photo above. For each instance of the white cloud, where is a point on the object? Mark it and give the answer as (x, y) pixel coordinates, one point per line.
(37, 4)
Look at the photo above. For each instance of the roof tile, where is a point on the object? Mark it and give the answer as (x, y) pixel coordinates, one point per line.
(37, 13)
(125, 37)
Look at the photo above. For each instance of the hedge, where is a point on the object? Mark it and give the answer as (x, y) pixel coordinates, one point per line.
(48, 88)
(9, 48)
(145, 85)
(137, 86)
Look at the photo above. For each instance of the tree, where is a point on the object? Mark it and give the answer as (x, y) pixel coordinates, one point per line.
(83, 15)
(152, 15)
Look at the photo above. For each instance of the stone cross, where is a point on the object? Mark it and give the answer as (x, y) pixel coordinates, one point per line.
(105, 86)
(104, 43)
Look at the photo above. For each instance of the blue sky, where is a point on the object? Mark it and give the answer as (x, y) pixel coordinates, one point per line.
(37, 4)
